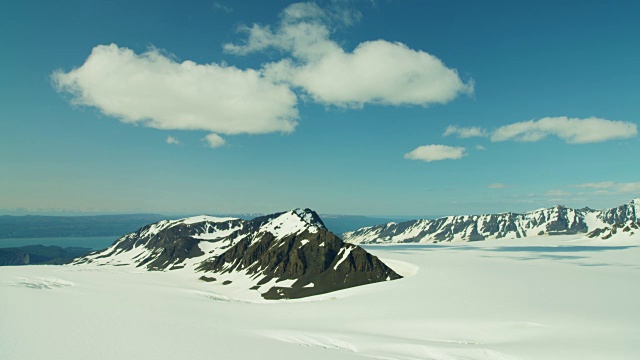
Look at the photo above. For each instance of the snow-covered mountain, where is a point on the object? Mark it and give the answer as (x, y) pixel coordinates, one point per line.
(558, 220)
(283, 255)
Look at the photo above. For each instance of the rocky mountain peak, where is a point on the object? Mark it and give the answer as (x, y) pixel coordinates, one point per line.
(309, 216)
(284, 255)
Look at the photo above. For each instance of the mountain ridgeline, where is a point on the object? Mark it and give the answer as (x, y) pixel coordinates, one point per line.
(558, 220)
(282, 256)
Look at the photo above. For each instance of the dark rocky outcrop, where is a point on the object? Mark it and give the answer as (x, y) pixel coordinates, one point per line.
(628, 227)
(319, 262)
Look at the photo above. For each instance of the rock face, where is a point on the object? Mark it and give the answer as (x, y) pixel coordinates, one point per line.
(616, 230)
(558, 220)
(284, 255)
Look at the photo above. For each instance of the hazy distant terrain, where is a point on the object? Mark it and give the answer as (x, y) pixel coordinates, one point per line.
(33, 226)
(39, 254)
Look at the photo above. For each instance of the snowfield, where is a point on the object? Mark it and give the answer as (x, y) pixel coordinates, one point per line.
(536, 298)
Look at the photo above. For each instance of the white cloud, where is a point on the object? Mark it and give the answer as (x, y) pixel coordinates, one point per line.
(612, 187)
(497, 186)
(172, 141)
(572, 130)
(465, 132)
(154, 90)
(375, 72)
(214, 140)
(480, 147)
(430, 153)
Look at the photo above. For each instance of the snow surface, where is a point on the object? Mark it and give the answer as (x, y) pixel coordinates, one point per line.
(216, 234)
(203, 218)
(344, 254)
(558, 297)
(290, 222)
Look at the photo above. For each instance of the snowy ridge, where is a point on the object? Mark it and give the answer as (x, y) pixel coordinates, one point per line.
(213, 236)
(273, 257)
(558, 220)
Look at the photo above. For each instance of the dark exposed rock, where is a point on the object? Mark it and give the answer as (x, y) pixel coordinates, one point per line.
(314, 259)
(628, 227)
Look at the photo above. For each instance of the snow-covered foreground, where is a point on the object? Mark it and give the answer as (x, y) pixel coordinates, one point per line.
(539, 298)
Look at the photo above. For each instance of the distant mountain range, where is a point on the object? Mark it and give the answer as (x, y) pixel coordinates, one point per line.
(558, 220)
(284, 255)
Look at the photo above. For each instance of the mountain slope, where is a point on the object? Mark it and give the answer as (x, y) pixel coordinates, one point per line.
(617, 230)
(39, 254)
(284, 255)
(558, 220)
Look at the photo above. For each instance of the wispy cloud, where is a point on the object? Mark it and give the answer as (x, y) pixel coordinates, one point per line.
(599, 185)
(497, 186)
(172, 141)
(218, 6)
(558, 193)
(612, 187)
(375, 72)
(465, 132)
(154, 90)
(572, 130)
(430, 153)
(480, 147)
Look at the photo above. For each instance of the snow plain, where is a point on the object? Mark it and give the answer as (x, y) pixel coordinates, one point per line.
(534, 298)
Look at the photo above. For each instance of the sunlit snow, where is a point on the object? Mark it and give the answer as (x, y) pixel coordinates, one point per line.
(563, 297)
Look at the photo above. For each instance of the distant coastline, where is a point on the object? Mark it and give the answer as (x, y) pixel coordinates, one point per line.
(93, 242)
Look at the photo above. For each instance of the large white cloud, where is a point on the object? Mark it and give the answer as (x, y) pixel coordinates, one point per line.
(154, 90)
(431, 153)
(572, 130)
(378, 72)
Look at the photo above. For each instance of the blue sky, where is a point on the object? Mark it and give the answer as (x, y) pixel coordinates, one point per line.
(340, 106)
